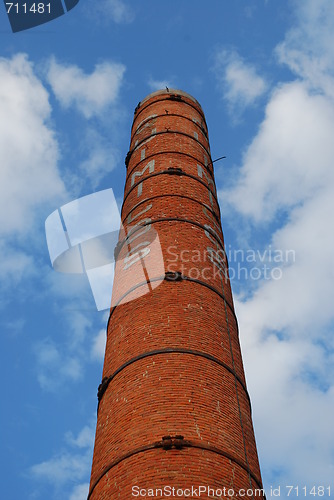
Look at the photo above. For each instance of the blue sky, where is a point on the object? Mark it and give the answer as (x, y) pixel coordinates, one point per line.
(263, 72)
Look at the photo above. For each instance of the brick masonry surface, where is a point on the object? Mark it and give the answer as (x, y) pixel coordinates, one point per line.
(173, 404)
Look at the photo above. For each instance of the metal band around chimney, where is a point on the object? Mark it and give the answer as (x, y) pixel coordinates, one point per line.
(186, 444)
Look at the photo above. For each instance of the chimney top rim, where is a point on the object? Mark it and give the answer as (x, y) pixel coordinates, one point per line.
(170, 92)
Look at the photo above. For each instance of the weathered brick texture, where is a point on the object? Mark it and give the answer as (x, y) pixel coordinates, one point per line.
(173, 364)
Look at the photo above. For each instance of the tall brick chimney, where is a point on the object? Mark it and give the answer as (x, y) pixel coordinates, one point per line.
(174, 411)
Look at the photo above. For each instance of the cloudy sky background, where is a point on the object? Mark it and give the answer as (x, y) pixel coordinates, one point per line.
(264, 74)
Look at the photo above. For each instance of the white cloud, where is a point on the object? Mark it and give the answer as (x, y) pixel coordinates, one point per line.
(84, 439)
(15, 265)
(80, 324)
(161, 84)
(56, 366)
(99, 341)
(102, 158)
(15, 326)
(63, 362)
(291, 156)
(91, 93)
(29, 150)
(99, 345)
(291, 406)
(80, 492)
(308, 46)
(238, 81)
(70, 465)
(61, 469)
(29, 176)
(116, 11)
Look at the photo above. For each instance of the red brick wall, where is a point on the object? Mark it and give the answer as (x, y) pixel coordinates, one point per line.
(173, 363)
